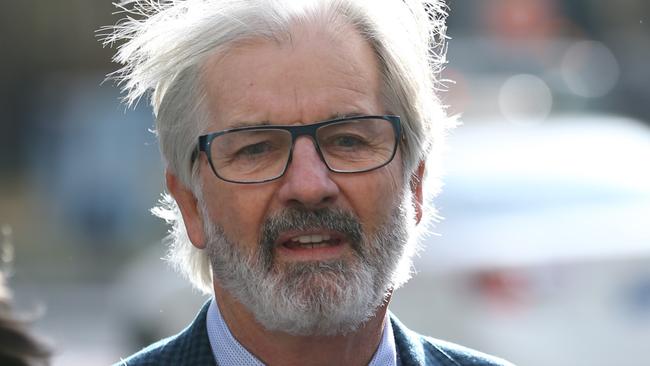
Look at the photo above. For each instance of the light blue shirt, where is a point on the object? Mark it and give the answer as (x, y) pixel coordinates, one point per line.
(228, 351)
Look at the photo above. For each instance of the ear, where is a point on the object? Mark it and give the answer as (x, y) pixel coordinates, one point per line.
(188, 205)
(416, 190)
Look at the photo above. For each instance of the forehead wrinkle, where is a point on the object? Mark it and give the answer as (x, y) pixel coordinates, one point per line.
(248, 106)
(337, 32)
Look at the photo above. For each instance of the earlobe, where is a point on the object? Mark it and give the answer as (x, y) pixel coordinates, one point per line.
(416, 190)
(189, 208)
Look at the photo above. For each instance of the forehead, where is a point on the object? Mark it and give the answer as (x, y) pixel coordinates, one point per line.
(314, 74)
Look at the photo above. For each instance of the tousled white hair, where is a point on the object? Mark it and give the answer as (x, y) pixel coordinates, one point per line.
(165, 43)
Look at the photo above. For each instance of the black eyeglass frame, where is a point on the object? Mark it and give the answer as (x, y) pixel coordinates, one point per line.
(296, 131)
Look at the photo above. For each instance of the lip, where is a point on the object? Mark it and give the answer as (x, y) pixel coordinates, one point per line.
(288, 235)
(306, 253)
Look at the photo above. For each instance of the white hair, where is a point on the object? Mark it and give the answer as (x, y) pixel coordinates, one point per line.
(166, 43)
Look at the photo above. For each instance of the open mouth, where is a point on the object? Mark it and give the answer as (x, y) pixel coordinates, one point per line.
(311, 241)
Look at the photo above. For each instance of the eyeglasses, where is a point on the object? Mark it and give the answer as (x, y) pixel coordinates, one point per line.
(260, 154)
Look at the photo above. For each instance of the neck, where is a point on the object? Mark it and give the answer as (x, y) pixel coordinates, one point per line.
(279, 348)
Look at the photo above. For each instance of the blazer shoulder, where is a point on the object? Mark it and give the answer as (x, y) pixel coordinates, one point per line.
(416, 349)
(189, 347)
(159, 353)
(460, 355)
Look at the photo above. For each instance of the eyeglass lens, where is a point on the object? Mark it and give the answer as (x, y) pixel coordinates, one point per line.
(262, 154)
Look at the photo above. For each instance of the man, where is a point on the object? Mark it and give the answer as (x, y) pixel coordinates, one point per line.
(296, 136)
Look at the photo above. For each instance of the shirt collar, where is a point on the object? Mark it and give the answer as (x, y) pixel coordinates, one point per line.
(228, 351)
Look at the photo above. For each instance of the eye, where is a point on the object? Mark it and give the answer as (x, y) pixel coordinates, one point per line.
(254, 150)
(348, 141)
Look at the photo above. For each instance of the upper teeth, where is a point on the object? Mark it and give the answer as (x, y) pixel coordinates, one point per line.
(303, 239)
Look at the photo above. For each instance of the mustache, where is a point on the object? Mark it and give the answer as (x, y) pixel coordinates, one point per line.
(299, 219)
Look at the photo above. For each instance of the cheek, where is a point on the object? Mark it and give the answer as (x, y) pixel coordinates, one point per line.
(239, 210)
(374, 195)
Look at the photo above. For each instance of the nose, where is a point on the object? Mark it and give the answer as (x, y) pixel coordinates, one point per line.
(307, 181)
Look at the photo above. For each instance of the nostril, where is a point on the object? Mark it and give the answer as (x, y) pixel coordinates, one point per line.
(304, 204)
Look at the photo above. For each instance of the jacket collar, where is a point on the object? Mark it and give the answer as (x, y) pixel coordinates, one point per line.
(411, 348)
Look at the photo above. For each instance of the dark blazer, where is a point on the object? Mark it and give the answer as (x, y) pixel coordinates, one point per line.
(191, 347)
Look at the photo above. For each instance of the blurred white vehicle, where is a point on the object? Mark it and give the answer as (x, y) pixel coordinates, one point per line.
(572, 188)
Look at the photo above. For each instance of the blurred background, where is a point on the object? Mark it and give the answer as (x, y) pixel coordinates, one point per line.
(543, 256)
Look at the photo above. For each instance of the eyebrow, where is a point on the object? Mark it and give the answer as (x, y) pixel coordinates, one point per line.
(347, 115)
(267, 123)
(249, 124)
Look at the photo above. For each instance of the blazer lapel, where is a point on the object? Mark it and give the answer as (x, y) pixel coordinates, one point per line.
(411, 349)
(194, 344)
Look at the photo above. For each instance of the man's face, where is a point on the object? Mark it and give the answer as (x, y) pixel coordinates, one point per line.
(318, 75)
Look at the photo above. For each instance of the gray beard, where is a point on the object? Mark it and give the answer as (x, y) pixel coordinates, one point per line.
(314, 298)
